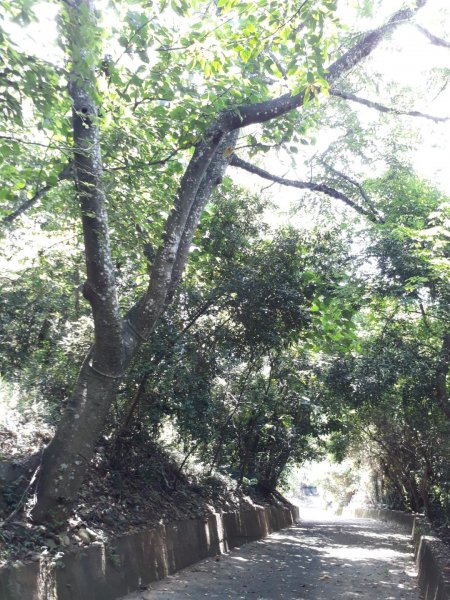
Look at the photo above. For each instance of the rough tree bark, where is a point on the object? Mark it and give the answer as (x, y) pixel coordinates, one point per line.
(67, 457)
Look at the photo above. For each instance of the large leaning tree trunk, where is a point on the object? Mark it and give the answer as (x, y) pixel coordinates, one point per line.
(118, 338)
(72, 446)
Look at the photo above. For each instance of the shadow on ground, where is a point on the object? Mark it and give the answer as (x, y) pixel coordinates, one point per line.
(340, 559)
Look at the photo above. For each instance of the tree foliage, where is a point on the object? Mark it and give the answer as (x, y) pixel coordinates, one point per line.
(256, 343)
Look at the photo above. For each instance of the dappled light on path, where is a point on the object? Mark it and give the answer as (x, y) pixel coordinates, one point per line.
(334, 559)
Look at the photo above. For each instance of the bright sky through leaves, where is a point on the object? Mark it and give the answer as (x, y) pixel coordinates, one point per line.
(407, 59)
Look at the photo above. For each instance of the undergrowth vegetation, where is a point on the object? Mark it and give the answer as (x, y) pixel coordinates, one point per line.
(193, 336)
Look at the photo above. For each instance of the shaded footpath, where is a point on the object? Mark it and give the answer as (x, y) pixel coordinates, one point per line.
(337, 559)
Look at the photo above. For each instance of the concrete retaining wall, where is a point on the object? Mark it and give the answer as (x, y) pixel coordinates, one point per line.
(104, 571)
(432, 555)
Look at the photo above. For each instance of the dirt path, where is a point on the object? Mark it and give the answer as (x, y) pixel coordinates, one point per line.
(342, 559)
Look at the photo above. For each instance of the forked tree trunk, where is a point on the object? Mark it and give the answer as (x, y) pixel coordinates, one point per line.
(67, 457)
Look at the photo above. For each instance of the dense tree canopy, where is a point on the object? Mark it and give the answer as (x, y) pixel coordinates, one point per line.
(154, 287)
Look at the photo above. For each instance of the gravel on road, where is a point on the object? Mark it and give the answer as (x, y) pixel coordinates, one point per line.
(339, 559)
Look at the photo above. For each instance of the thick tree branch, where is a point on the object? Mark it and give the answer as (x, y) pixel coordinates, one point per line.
(161, 273)
(229, 120)
(100, 287)
(305, 185)
(262, 112)
(213, 177)
(437, 41)
(386, 109)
